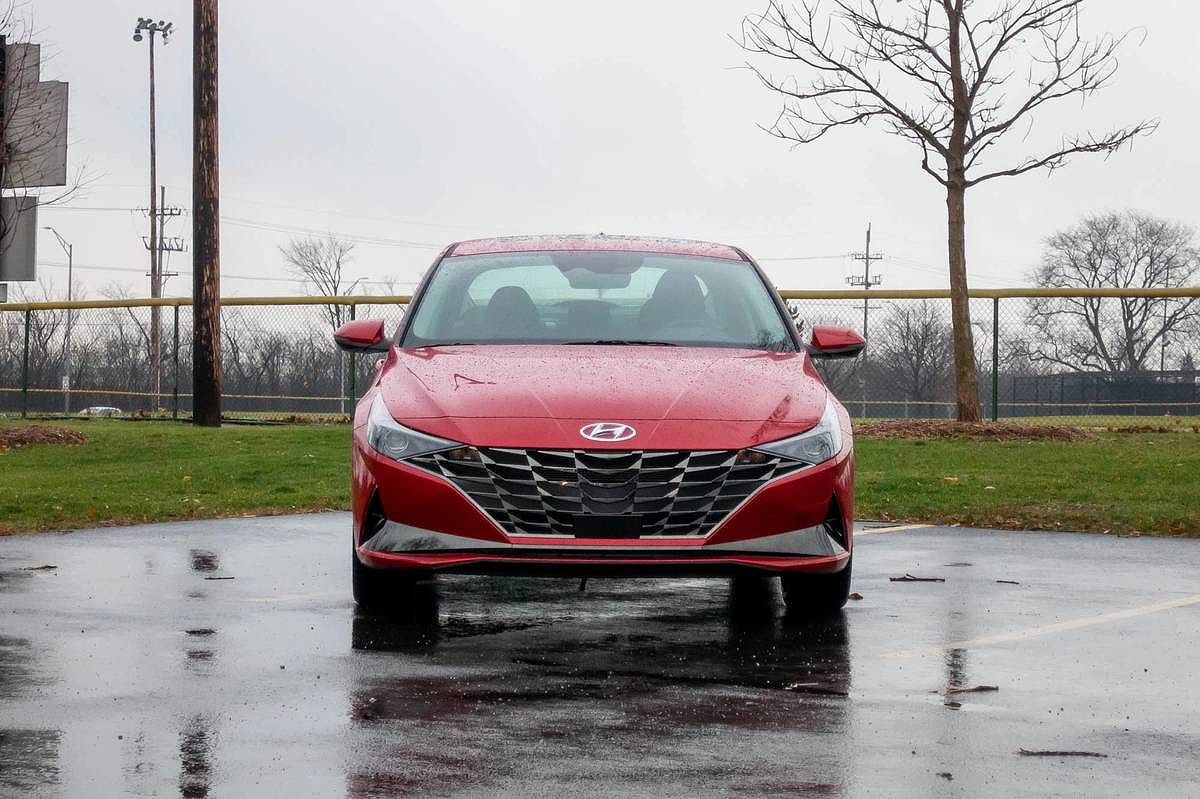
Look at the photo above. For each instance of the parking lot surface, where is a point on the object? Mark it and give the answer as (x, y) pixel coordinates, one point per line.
(225, 658)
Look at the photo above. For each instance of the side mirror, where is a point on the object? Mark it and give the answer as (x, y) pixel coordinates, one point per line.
(362, 335)
(835, 342)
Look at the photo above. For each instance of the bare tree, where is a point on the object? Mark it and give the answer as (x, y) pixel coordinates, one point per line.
(319, 264)
(393, 286)
(1113, 334)
(32, 127)
(950, 76)
(916, 350)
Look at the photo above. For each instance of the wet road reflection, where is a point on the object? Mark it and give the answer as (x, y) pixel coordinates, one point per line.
(28, 756)
(129, 671)
(28, 760)
(195, 756)
(204, 560)
(197, 735)
(656, 676)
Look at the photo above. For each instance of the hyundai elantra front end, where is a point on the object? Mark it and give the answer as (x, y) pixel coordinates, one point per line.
(576, 405)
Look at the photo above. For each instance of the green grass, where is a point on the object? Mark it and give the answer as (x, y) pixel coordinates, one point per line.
(1189, 424)
(1115, 482)
(154, 471)
(131, 472)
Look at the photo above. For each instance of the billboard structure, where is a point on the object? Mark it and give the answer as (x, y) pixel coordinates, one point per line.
(34, 122)
(18, 238)
(33, 154)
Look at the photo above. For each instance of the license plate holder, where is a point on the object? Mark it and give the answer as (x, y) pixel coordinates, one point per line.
(599, 526)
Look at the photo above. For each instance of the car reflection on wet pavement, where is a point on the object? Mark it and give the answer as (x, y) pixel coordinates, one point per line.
(226, 659)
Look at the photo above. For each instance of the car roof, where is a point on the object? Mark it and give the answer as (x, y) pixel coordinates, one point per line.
(599, 242)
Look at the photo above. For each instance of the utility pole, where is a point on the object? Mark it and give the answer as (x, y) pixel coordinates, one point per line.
(152, 29)
(157, 278)
(206, 232)
(69, 249)
(865, 280)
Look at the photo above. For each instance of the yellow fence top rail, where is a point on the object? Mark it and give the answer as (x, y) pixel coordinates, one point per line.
(787, 294)
(233, 302)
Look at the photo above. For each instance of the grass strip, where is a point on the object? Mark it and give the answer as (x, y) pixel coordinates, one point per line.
(129, 472)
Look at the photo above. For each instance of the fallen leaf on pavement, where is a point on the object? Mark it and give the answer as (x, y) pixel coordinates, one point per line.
(813, 688)
(1057, 753)
(908, 578)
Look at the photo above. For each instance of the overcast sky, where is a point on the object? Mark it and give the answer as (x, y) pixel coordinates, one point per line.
(409, 125)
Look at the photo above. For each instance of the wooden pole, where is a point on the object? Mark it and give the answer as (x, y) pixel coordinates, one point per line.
(206, 191)
(155, 340)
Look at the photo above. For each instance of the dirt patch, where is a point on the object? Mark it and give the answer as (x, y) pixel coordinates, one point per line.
(1150, 428)
(993, 431)
(35, 434)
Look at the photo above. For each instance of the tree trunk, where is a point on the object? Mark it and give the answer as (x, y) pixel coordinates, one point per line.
(206, 190)
(966, 389)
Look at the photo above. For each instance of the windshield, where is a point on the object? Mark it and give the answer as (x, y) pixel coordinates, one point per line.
(583, 297)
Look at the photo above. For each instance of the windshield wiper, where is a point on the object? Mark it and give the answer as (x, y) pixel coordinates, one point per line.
(626, 342)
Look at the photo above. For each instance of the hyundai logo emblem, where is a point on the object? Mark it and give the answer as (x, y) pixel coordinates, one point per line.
(607, 431)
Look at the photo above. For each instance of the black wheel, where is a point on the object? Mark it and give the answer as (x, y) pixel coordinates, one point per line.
(384, 589)
(815, 595)
(753, 599)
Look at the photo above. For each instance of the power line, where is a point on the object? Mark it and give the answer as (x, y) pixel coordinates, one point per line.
(282, 228)
(837, 257)
(49, 207)
(397, 220)
(224, 275)
(278, 227)
(921, 266)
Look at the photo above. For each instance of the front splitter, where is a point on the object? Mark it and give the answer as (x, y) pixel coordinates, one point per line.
(400, 546)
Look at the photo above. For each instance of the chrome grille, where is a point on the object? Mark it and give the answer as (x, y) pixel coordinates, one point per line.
(540, 491)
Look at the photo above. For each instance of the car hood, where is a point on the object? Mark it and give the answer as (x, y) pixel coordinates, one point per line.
(540, 396)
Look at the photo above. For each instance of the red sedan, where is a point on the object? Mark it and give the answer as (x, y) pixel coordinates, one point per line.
(570, 405)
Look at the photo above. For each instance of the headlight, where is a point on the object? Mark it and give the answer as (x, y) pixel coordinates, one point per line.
(388, 437)
(812, 446)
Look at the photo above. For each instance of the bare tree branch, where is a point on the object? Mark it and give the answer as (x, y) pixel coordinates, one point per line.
(947, 76)
(319, 264)
(1113, 250)
(916, 349)
(31, 125)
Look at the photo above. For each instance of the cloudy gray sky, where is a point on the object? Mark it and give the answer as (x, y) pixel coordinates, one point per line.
(407, 125)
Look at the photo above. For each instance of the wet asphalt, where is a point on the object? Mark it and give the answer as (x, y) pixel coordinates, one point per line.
(225, 658)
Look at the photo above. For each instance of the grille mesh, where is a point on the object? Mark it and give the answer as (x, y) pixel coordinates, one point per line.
(540, 492)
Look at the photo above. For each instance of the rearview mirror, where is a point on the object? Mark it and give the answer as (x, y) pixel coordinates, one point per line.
(829, 341)
(362, 335)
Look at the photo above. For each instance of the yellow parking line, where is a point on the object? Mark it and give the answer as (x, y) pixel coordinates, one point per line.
(1047, 629)
(896, 529)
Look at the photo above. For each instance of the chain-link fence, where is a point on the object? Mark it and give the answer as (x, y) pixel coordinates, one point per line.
(278, 357)
(1102, 357)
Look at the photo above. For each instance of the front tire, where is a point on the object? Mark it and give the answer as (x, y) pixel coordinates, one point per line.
(816, 595)
(383, 589)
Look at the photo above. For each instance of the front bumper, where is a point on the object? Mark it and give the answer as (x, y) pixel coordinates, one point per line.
(408, 518)
(398, 545)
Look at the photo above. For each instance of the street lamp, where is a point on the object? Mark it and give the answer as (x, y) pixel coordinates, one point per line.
(69, 249)
(146, 26)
